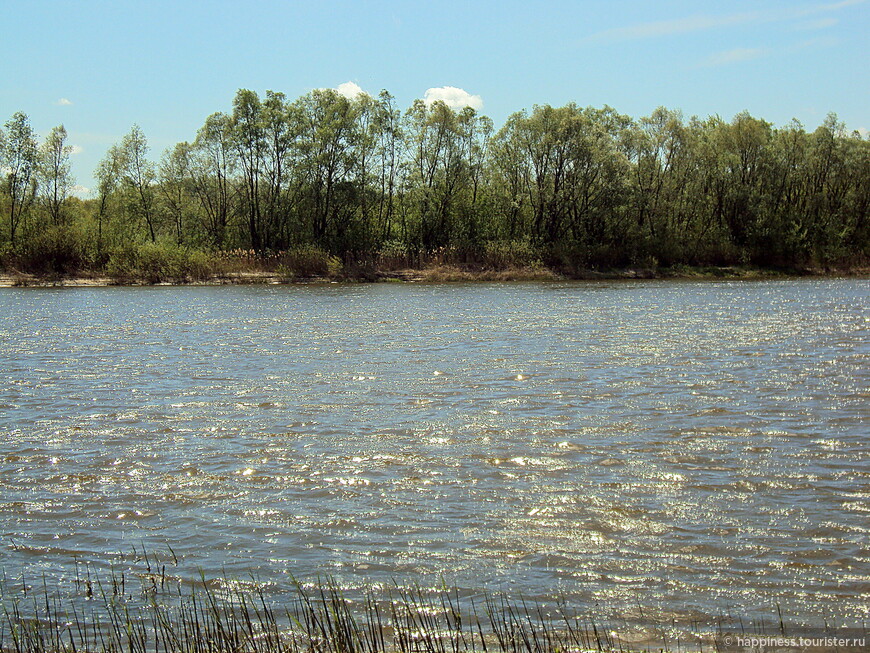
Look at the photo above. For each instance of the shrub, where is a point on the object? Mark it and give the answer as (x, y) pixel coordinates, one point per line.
(51, 250)
(158, 262)
(501, 254)
(309, 261)
(394, 255)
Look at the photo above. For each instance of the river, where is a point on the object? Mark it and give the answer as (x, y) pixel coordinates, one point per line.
(679, 449)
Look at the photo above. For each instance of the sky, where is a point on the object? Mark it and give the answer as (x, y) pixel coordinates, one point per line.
(99, 67)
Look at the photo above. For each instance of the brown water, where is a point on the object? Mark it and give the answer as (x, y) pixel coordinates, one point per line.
(684, 449)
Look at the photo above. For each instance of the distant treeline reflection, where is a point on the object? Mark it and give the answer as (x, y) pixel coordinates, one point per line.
(337, 181)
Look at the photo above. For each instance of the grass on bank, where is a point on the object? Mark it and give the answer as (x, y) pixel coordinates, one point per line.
(57, 260)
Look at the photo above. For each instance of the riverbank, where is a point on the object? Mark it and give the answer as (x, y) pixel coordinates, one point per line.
(434, 274)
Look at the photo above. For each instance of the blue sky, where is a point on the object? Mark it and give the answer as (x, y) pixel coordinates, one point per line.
(99, 67)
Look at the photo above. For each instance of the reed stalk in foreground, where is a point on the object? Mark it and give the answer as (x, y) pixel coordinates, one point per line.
(129, 612)
(218, 617)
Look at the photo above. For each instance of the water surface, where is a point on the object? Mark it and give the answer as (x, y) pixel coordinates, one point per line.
(680, 449)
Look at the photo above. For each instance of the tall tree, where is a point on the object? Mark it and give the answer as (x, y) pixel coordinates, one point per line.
(174, 184)
(108, 176)
(20, 159)
(562, 169)
(213, 166)
(54, 166)
(327, 161)
(436, 171)
(660, 155)
(281, 128)
(250, 143)
(387, 129)
(139, 175)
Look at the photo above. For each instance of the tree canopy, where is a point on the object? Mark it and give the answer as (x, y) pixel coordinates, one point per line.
(356, 177)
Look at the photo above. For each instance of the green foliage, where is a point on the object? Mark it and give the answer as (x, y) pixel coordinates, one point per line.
(158, 262)
(341, 186)
(501, 254)
(394, 255)
(54, 173)
(54, 250)
(309, 261)
(19, 161)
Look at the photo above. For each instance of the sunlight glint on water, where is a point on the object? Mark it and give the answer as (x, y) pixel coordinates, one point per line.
(690, 448)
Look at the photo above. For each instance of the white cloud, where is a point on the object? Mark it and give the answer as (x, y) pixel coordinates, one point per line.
(734, 56)
(455, 98)
(350, 90)
(63, 102)
(80, 191)
(76, 149)
(821, 23)
(863, 131)
(815, 44)
(837, 5)
(663, 28)
(670, 27)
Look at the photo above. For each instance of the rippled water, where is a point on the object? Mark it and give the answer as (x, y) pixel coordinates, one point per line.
(681, 448)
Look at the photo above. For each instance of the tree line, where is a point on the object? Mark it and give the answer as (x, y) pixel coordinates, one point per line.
(358, 178)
